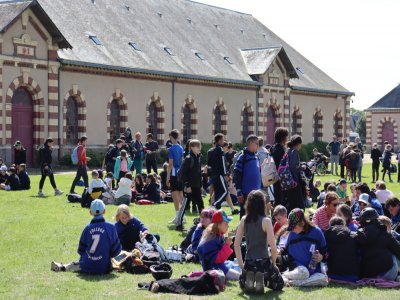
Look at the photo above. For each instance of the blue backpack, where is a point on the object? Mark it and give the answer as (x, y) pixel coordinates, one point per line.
(285, 175)
(74, 156)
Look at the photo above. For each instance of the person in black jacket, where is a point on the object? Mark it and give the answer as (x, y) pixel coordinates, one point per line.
(386, 162)
(277, 152)
(219, 172)
(343, 255)
(191, 175)
(24, 177)
(151, 190)
(376, 155)
(12, 183)
(19, 154)
(45, 160)
(379, 249)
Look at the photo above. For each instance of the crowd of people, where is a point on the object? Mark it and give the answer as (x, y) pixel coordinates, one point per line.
(344, 236)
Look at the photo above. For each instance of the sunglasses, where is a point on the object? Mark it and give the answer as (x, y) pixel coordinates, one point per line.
(335, 204)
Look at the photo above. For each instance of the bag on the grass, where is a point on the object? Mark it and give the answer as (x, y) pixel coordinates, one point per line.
(174, 254)
(74, 198)
(86, 199)
(218, 275)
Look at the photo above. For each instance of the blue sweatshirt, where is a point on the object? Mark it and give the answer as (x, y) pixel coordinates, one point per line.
(247, 173)
(24, 180)
(196, 237)
(129, 234)
(208, 252)
(98, 244)
(300, 247)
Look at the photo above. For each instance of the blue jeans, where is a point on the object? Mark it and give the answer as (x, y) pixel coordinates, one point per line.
(393, 271)
(138, 163)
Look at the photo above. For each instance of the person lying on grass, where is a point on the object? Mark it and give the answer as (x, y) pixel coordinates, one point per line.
(98, 244)
(128, 228)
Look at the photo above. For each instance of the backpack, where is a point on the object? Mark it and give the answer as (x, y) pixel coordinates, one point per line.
(74, 156)
(218, 275)
(285, 175)
(269, 174)
(235, 159)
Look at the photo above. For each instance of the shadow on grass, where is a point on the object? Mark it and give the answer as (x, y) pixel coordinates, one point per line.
(96, 278)
(37, 197)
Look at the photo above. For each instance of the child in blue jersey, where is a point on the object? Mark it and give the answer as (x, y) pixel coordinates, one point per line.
(306, 248)
(214, 249)
(128, 228)
(98, 244)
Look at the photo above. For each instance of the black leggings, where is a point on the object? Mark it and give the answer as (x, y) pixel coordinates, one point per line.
(386, 171)
(375, 171)
(294, 198)
(80, 172)
(272, 277)
(45, 173)
(196, 199)
(151, 164)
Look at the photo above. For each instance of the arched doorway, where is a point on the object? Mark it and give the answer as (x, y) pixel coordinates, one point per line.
(217, 120)
(115, 119)
(187, 124)
(153, 124)
(387, 133)
(271, 125)
(72, 121)
(22, 121)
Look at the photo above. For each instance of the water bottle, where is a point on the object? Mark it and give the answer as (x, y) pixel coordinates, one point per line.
(313, 264)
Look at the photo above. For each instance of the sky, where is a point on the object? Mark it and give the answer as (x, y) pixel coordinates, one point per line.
(356, 42)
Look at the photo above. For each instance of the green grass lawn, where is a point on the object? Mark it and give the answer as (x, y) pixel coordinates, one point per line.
(35, 231)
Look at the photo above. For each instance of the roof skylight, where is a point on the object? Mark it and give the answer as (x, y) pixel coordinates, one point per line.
(95, 40)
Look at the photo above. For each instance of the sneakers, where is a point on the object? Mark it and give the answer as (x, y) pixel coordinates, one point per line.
(57, 192)
(179, 228)
(235, 211)
(173, 221)
(57, 267)
(259, 281)
(41, 194)
(184, 220)
(249, 282)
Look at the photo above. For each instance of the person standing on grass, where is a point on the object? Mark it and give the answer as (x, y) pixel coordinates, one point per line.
(376, 156)
(386, 162)
(278, 151)
(175, 155)
(334, 148)
(342, 151)
(151, 154)
(19, 154)
(219, 172)
(361, 149)
(45, 160)
(138, 150)
(82, 165)
(122, 165)
(247, 172)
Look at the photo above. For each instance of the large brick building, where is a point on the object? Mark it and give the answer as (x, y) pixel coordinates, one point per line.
(93, 67)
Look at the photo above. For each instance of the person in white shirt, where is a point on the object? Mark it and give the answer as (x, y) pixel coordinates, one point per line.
(382, 194)
(123, 195)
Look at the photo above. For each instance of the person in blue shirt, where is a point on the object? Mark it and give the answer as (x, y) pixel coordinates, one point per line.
(366, 200)
(334, 148)
(247, 172)
(306, 248)
(129, 228)
(175, 156)
(99, 243)
(393, 207)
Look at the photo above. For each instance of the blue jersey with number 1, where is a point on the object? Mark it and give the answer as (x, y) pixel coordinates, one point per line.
(98, 244)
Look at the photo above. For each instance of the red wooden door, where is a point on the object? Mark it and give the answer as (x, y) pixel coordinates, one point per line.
(271, 126)
(387, 134)
(22, 121)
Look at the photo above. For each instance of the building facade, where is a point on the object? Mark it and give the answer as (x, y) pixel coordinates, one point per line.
(95, 67)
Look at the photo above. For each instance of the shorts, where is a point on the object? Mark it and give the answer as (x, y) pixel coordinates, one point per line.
(175, 185)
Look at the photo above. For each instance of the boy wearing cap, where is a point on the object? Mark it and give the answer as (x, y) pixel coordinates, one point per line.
(99, 243)
(366, 200)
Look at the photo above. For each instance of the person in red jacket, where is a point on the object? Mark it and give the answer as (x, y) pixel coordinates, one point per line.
(82, 165)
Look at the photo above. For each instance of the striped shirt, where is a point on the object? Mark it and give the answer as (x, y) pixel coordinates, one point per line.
(321, 218)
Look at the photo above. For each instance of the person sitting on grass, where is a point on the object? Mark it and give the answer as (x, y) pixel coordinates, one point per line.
(123, 195)
(343, 254)
(213, 249)
(388, 223)
(280, 217)
(99, 243)
(151, 190)
(344, 211)
(12, 183)
(306, 246)
(259, 267)
(366, 200)
(163, 175)
(341, 191)
(379, 249)
(325, 213)
(3, 174)
(129, 228)
(393, 206)
(23, 176)
(96, 186)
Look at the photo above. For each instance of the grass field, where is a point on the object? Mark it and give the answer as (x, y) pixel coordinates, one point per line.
(35, 231)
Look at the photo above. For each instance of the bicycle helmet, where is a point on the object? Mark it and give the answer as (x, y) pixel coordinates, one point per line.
(161, 271)
(367, 216)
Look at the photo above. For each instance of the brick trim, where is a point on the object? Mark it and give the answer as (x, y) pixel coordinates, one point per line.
(80, 99)
(248, 110)
(368, 121)
(318, 125)
(189, 102)
(38, 107)
(123, 111)
(160, 117)
(297, 121)
(276, 108)
(338, 124)
(224, 118)
(387, 119)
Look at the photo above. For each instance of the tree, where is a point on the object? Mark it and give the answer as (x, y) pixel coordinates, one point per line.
(361, 128)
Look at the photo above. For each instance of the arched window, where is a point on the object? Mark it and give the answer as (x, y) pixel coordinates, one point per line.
(153, 122)
(296, 122)
(317, 136)
(72, 121)
(217, 120)
(245, 125)
(115, 120)
(187, 124)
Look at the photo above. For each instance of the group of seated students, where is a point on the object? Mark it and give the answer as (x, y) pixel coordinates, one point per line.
(14, 178)
(144, 189)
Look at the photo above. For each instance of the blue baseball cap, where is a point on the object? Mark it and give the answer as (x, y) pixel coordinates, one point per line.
(97, 207)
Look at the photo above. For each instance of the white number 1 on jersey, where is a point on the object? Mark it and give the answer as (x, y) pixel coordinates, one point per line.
(96, 240)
